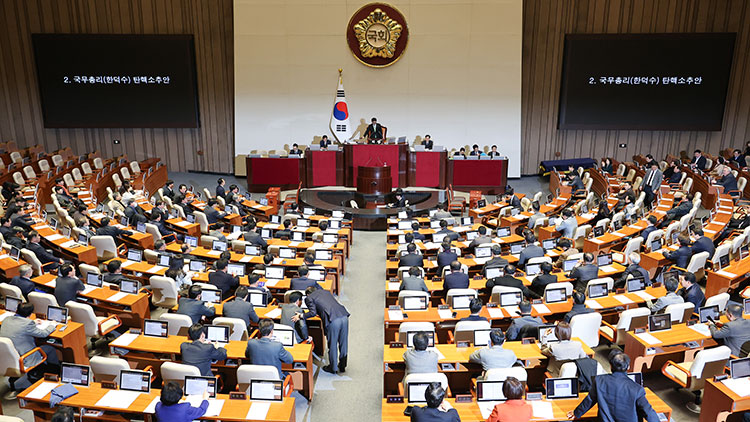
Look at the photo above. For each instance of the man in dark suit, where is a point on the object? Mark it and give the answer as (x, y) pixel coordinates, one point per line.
(114, 272)
(702, 244)
(496, 261)
(294, 150)
(17, 239)
(220, 191)
(524, 325)
(633, 269)
(626, 190)
(212, 214)
(511, 199)
(324, 143)
(676, 175)
(23, 280)
(67, 285)
(415, 231)
(221, 279)
(738, 158)
(302, 282)
(728, 181)
(286, 232)
(691, 291)
(619, 398)
(682, 255)
(335, 319)
(532, 250)
(652, 183)
(481, 238)
(427, 142)
(107, 230)
(7, 230)
(575, 182)
(240, 308)
(199, 352)
(475, 307)
(374, 132)
(49, 261)
(584, 272)
(579, 306)
(168, 189)
(449, 234)
(445, 256)
(267, 351)
(194, 307)
(160, 207)
(252, 237)
(681, 207)
(651, 221)
(540, 282)
(437, 409)
(698, 161)
(508, 280)
(399, 200)
(475, 150)
(412, 258)
(134, 217)
(455, 279)
(735, 332)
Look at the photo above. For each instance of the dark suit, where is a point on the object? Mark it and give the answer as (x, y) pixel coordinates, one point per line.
(739, 160)
(431, 414)
(515, 202)
(283, 233)
(680, 210)
(675, 177)
(411, 260)
(264, 351)
(212, 215)
(619, 398)
(254, 239)
(694, 295)
(242, 309)
(496, 262)
(457, 280)
(418, 235)
(700, 162)
(445, 258)
(374, 132)
(647, 231)
(201, 355)
(335, 319)
(112, 231)
(577, 309)
(634, 269)
(729, 182)
(302, 283)
(7, 232)
(224, 281)
(133, 216)
(473, 318)
(43, 256)
(169, 193)
(531, 251)
(67, 288)
(541, 281)
(427, 144)
(450, 234)
(510, 281)
(582, 274)
(325, 143)
(576, 183)
(26, 285)
(734, 333)
(681, 256)
(220, 191)
(194, 308)
(703, 244)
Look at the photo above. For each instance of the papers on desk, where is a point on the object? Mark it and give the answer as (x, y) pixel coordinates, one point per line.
(486, 408)
(96, 215)
(124, 340)
(431, 245)
(213, 253)
(258, 411)
(739, 386)
(701, 329)
(634, 227)
(44, 324)
(623, 299)
(119, 399)
(53, 237)
(648, 338)
(643, 295)
(182, 223)
(393, 285)
(440, 355)
(726, 274)
(246, 258)
(276, 313)
(294, 244)
(588, 215)
(597, 241)
(42, 390)
(495, 313)
(709, 231)
(127, 263)
(618, 234)
(117, 296)
(43, 226)
(272, 282)
(396, 232)
(481, 261)
(513, 311)
(155, 269)
(151, 408)
(88, 289)
(69, 244)
(445, 313)
(593, 304)
(608, 269)
(214, 407)
(52, 283)
(541, 409)
(396, 315)
(278, 261)
(541, 308)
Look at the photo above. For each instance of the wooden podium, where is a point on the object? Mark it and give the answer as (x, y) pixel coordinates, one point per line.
(374, 180)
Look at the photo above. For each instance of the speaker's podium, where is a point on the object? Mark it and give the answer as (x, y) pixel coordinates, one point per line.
(374, 180)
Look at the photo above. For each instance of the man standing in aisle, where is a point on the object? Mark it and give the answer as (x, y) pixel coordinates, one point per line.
(335, 320)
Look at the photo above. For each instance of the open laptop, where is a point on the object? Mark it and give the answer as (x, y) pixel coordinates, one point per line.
(155, 328)
(287, 253)
(132, 380)
(533, 269)
(503, 232)
(191, 241)
(637, 377)
(481, 337)
(217, 333)
(275, 273)
(483, 252)
(493, 272)
(196, 386)
(267, 390)
(93, 279)
(438, 237)
(547, 334)
(415, 392)
(604, 259)
(129, 286)
(461, 301)
(71, 373)
(252, 250)
(164, 260)
(549, 244)
(218, 245)
(197, 265)
(490, 391)
(323, 254)
(236, 270)
(636, 284)
(596, 290)
(303, 222)
(135, 255)
(211, 295)
(569, 264)
(57, 314)
(298, 236)
(330, 238)
(404, 225)
(414, 303)
(275, 219)
(410, 338)
(510, 298)
(739, 368)
(555, 295)
(284, 336)
(561, 388)
(516, 248)
(659, 322)
(708, 313)
(257, 298)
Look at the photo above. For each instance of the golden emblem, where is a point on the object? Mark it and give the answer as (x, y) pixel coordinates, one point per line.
(377, 35)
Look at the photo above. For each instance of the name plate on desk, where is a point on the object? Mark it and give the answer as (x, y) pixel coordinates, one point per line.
(394, 399)
(237, 395)
(463, 398)
(396, 345)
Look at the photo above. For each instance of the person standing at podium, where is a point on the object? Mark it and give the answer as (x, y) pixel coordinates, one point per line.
(374, 132)
(427, 142)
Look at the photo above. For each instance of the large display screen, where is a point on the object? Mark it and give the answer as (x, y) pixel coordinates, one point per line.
(117, 81)
(645, 81)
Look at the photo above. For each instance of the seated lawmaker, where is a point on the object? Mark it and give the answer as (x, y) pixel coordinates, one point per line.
(169, 408)
(267, 351)
(193, 307)
(460, 153)
(728, 181)
(698, 161)
(427, 142)
(213, 215)
(475, 150)
(532, 250)
(400, 199)
(374, 132)
(49, 261)
(525, 324)
(23, 280)
(132, 212)
(545, 277)
(223, 280)
(567, 224)
(535, 207)
(682, 255)
(567, 250)
(442, 212)
(411, 258)
(419, 360)
(199, 352)
(67, 285)
(437, 409)
(579, 306)
(510, 198)
(702, 244)
(240, 308)
(738, 159)
(691, 291)
(445, 256)
(650, 227)
(325, 143)
(493, 152)
(415, 232)
(508, 280)
(251, 236)
(671, 298)
(562, 351)
(412, 282)
(497, 260)
(455, 278)
(107, 230)
(449, 234)
(475, 307)
(294, 150)
(302, 281)
(735, 332)
(285, 232)
(583, 272)
(494, 355)
(635, 270)
(23, 331)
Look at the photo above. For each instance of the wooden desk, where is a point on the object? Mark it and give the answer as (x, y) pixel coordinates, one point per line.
(671, 344)
(85, 254)
(72, 342)
(185, 227)
(718, 398)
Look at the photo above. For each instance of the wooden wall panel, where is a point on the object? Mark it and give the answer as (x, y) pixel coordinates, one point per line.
(211, 23)
(545, 24)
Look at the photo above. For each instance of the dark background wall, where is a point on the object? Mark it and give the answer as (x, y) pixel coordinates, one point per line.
(545, 24)
(208, 148)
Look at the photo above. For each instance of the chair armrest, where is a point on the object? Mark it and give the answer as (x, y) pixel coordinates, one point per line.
(288, 386)
(679, 268)
(401, 388)
(109, 330)
(25, 369)
(451, 339)
(255, 333)
(674, 365)
(122, 249)
(150, 368)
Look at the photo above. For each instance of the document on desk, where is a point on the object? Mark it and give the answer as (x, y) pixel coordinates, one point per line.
(481, 261)
(119, 399)
(294, 244)
(183, 223)
(42, 390)
(486, 407)
(276, 313)
(213, 253)
(622, 299)
(393, 285)
(127, 263)
(440, 355)
(117, 296)
(271, 282)
(648, 338)
(495, 313)
(53, 237)
(643, 295)
(151, 408)
(278, 261)
(445, 313)
(542, 409)
(597, 241)
(726, 274)
(541, 308)
(740, 386)
(246, 258)
(396, 315)
(701, 329)
(258, 411)
(52, 283)
(608, 269)
(69, 244)
(593, 304)
(124, 340)
(513, 311)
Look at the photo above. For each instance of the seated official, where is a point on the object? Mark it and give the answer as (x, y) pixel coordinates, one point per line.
(562, 351)
(618, 397)
(606, 165)
(626, 189)
(475, 307)
(671, 298)
(166, 234)
(168, 190)
(437, 409)
(267, 351)
(583, 272)
(735, 332)
(579, 306)
(22, 331)
(633, 269)
(251, 236)
(253, 281)
(292, 309)
(240, 308)
(213, 215)
(445, 256)
(181, 279)
(481, 239)
(602, 212)
(286, 232)
(400, 199)
(682, 255)
(114, 272)
(532, 250)
(728, 181)
(449, 234)
(302, 282)
(574, 181)
(6, 229)
(133, 214)
(738, 159)
(455, 278)
(567, 224)
(493, 152)
(535, 208)
(324, 143)
(169, 408)
(494, 355)
(650, 227)
(23, 281)
(193, 307)
(49, 261)
(442, 212)
(475, 150)
(84, 225)
(702, 244)
(418, 359)
(67, 285)
(221, 279)
(676, 176)
(511, 199)
(508, 280)
(525, 324)
(497, 261)
(460, 153)
(160, 207)
(415, 232)
(567, 250)
(691, 291)
(427, 142)
(411, 258)
(374, 132)
(199, 352)
(514, 408)
(107, 230)
(294, 150)
(545, 277)
(681, 206)
(698, 161)
(413, 281)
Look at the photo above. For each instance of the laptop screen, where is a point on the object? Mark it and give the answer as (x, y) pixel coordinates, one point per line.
(503, 232)
(547, 334)
(218, 245)
(704, 312)
(269, 390)
(140, 227)
(11, 303)
(93, 279)
(483, 252)
(404, 225)
(217, 333)
(257, 298)
(533, 269)
(330, 238)
(569, 264)
(265, 233)
(196, 386)
(604, 259)
(461, 301)
(510, 298)
(237, 270)
(561, 388)
(252, 250)
(598, 231)
(414, 303)
(132, 380)
(659, 322)
(490, 391)
(283, 336)
(438, 237)
(334, 224)
(15, 253)
(298, 236)
(129, 286)
(275, 219)
(337, 214)
(548, 244)
(467, 221)
(57, 314)
(410, 338)
(308, 211)
(555, 295)
(211, 295)
(435, 224)
(303, 222)
(637, 377)
(75, 374)
(493, 272)
(481, 337)
(323, 255)
(746, 306)
(276, 273)
(516, 248)
(636, 284)
(317, 275)
(739, 368)
(197, 265)
(287, 253)
(471, 235)
(192, 241)
(135, 255)
(598, 290)
(164, 260)
(83, 239)
(656, 245)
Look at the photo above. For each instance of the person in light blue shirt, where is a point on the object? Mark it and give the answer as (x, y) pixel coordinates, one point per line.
(568, 225)
(670, 298)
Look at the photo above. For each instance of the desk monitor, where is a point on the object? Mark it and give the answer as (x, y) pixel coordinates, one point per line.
(263, 201)
(11, 303)
(561, 388)
(410, 338)
(483, 252)
(604, 259)
(132, 380)
(218, 245)
(330, 238)
(265, 233)
(334, 224)
(140, 227)
(481, 337)
(636, 284)
(275, 219)
(569, 264)
(15, 253)
(555, 295)
(192, 241)
(482, 202)
(655, 244)
(217, 333)
(739, 368)
(66, 231)
(414, 303)
(461, 301)
(287, 253)
(129, 286)
(547, 334)
(298, 236)
(228, 210)
(164, 260)
(598, 231)
(316, 274)
(493, 272)
(197, 265)
(516, 248)
(211, 295)
(252, 250)
(404, 225)
(659, 322)
(597, 290)
(75, 374)
(471, 235)
(671, 274)
(675, 237)
(503, 231)
(549, 244)
(403, 214)
(257, 298)
(617, 225)
(93, 279)
(236, 270)
(415, 392)
(303, 222)
(706, 312)
(284, 336)
(275, 273)
(308, 211)
(196, 386)
(467, 221)
(533, 269)
(510, 298)
(723, 261)
(337, 214)
(135, 255)
(490, 391)
(434, 224)
(269, 390)
(190, 218)
(155, 328)
(323, 254)
(173, 213)
(438, 237)
(637, 377)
